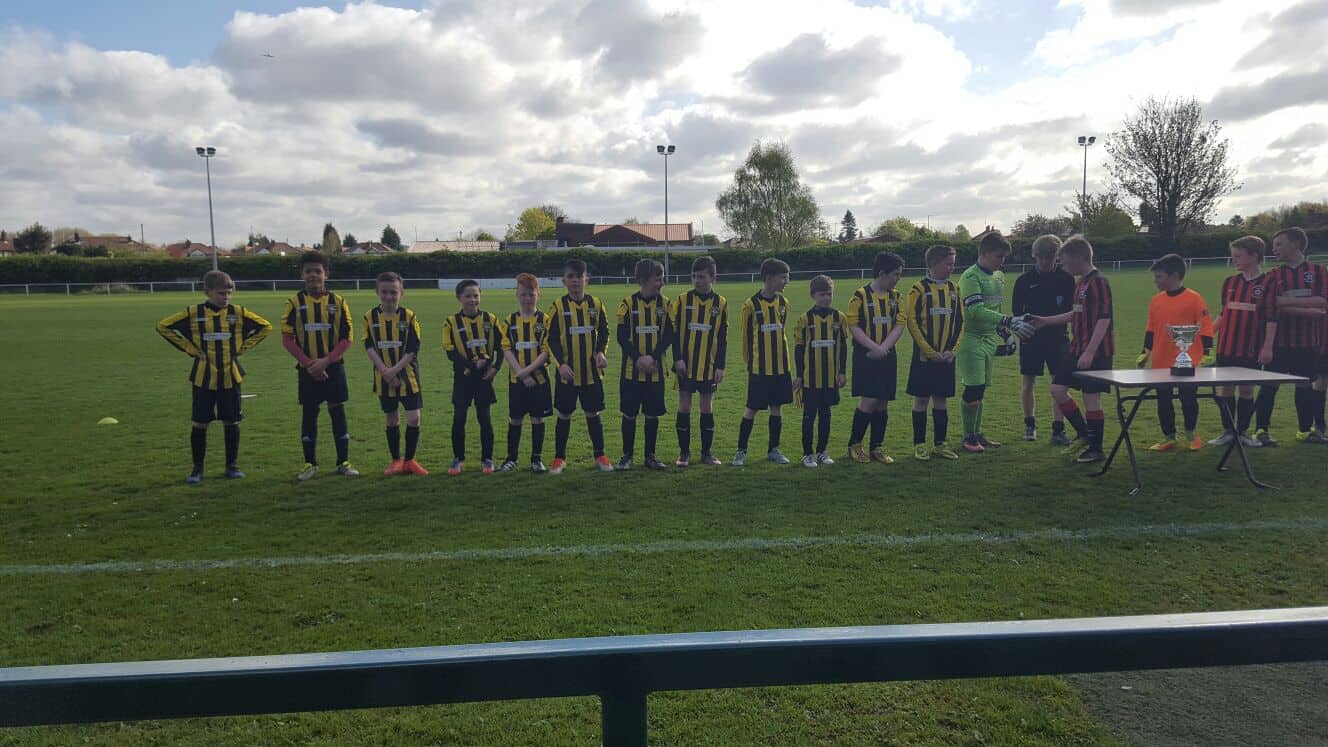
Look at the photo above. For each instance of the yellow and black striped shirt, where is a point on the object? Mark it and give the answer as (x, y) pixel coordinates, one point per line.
(820, 347)
(764, 345)
(394, 336)
(318, 323)
(935, 317)
(700, 333)
(577, 331)
(221, 334)
(643, 329)
(877, 314)
(467, 339)
(527, 337)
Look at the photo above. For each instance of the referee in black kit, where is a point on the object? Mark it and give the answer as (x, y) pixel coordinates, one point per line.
(1046, 290)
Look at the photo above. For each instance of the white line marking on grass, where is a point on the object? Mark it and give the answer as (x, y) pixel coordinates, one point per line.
(1128, 532)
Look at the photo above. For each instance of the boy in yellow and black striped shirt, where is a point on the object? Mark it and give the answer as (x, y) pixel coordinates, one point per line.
(643, 334)
(820, 357)
(935, 317)
(765, 351)
(473, 342)
(876, 322)
(578, 337)
(700, 320)
(526, 350)
(316, 330)
(392, 342)
(215, 334)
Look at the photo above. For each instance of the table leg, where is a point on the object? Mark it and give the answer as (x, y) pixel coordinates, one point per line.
(1239, 448)
(1124, 436)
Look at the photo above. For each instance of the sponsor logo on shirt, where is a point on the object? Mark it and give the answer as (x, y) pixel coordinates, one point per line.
(940, 311)
(389, 344)
(698, 327)
(317, 327)
(771, 327)
(531, 345)
(216, 336)
(581, 329)
(647, 329)
(476, 343)
(823, 343)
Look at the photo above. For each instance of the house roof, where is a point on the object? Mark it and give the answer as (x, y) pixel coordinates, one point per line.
(652, 231)
(7, 247)
(187, 247)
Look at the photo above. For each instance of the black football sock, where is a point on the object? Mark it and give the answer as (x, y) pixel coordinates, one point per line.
(309, 433)
(919, 427)
(232, 436)
(744, 434)
(1030, 422)
(596, 428)
(941, 423)
(707, 431)
(859, 428)
(562, 430)
(486, 431)
(823, 429)
(808, 425)
(1263, 407)
(652, 435)
(513, 440)
(1096, 427)
(459, 432)
(1304, 408)
(340, 432)
(776, 425)
(1166, 413)
(1189, 409)
(1076, 418)
(1320, 400)
(1244, 411)
(1058, 426)
(536, 441)
(394, 441)
(1227, 409)
(198, 445)
(412, 440)
(628, 436)
(879, 419)
(684, 429)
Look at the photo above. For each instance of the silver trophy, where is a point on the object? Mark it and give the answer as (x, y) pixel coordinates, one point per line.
(1183, 336)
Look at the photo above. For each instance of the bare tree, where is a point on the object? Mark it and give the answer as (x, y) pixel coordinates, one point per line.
(767, 202)
(1167, 156)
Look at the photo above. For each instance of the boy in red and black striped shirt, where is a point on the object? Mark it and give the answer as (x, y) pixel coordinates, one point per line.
(1300, 296)
(1091, 349)
(1246, 326)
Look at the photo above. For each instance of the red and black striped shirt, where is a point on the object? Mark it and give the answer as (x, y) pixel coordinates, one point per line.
(1246, 309)
(1092, 303)
(1306, 280)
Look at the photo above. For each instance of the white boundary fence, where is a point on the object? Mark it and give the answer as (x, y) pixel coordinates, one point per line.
(343, 284)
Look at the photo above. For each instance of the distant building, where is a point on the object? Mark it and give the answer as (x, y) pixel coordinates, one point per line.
(367, 247)
(737, 242)
(7, 248)
(426, 247)
(619, 234)
(188, 248)
(112, 242)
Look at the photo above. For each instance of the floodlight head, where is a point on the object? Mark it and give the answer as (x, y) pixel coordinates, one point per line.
(211, 151)
(659, 149)
(1092, 139)
(1082, 139)
(199, 150)
(671, 149)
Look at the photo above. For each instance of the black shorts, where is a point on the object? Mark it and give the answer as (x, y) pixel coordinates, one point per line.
(930, 378)
(468, 390)
(1238, 361)
(1037, 355)
(566, 396)
(408, 402)
(1070, 363)
(217, 404)
(1295, 361)
(697, 387)
(535, 401)
(814, 398)
(646, 397)
(332, 390)
(764, 392)
(875, 379)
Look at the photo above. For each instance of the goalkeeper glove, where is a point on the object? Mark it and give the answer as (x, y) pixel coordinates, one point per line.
(1208, 359)
(1023, 328)
(1003, 326)
(1142, 360)
(1009, 346)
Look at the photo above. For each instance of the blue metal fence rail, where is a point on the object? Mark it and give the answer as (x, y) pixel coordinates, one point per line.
(623, 671)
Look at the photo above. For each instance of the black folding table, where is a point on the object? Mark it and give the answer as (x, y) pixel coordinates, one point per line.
(1206, 380)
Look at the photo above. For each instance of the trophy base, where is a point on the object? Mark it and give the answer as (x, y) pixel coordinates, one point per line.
(1182, 371)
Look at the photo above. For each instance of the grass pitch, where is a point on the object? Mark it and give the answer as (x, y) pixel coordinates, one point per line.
(639, 553)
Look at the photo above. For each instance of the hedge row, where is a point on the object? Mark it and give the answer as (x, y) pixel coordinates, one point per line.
(58, 269)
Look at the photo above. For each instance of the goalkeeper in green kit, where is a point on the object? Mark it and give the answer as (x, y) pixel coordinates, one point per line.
(987, 333)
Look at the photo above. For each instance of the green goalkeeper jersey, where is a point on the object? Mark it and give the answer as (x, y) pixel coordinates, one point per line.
(982, 292)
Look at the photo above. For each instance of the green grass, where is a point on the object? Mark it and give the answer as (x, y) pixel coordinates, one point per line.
(72, 491)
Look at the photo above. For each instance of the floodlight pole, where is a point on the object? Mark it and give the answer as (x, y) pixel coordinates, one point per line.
(1085, 142)
(666, 151)
(207, 154)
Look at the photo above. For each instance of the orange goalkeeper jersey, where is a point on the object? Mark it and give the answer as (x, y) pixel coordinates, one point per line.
(1186, 307)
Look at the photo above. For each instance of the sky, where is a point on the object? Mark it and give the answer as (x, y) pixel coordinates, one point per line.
(448, 116)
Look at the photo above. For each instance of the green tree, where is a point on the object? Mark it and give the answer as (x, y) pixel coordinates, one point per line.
(34, 239)
(960, 234)
(1036, 224)
(482, 235)
(898, 228)
(534, 223)
(707, 239)
(390, 238)
(331, 240)
(1236, 221)
(554, 212)
(768, 203)
(1166, 155)
(1105, 214)
(848, 227)
(350, 241)
(631, 221)
(257, 239)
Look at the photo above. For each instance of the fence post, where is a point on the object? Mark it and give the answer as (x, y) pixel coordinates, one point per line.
(623, 718)
(274, 286)
(27, 289)
(67, 291)
(152, 288)
(357, 283)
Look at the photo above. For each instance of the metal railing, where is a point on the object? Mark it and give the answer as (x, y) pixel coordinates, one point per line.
(623, 670)
(194, 286)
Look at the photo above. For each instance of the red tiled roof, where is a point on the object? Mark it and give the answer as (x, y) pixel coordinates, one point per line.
(653, 231)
